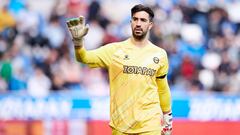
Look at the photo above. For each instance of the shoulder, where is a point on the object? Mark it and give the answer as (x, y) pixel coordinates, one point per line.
(158, 49)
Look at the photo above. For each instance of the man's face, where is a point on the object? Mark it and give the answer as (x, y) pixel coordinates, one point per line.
(140, 24)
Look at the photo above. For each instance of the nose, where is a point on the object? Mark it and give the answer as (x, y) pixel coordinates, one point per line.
(138, 23)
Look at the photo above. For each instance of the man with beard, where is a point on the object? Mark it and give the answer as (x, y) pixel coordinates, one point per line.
(140, 99)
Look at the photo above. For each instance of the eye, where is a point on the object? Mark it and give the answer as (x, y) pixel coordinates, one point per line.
(134, 19)
(144, 20)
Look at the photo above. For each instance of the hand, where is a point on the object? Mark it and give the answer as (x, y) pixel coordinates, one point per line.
(78, 29)
(167, 124)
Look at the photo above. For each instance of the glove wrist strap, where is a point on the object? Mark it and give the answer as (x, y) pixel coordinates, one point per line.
(168, 118)
(78, 43)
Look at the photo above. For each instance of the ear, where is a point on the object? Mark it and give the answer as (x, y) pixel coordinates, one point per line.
(150, 26)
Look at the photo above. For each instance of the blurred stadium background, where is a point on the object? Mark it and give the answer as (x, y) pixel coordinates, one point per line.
(44, 91)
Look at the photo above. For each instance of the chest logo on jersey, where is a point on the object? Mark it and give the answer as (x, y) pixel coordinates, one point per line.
(138, 70)
(156, 60)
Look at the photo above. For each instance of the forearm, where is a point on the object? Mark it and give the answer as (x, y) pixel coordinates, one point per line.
(164, 95)
(165, 103)
(80, 54)
(80, 51)
(87, 57)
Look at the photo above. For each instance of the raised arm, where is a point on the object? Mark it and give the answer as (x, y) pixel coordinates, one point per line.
(95, 58)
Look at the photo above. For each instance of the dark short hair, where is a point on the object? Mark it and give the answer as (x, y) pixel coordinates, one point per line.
(140, 7)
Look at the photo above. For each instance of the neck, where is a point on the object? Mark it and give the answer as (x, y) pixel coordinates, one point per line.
(139, 43)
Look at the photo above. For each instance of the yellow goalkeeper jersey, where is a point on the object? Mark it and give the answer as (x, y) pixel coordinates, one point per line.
(134, 95)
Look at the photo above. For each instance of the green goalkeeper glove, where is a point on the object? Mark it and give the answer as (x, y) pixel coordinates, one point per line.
(167, 124)
(78, 30)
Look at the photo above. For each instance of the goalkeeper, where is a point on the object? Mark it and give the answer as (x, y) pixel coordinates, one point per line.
(140, 99)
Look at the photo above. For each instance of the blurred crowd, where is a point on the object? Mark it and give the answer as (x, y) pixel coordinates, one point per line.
(201, 37)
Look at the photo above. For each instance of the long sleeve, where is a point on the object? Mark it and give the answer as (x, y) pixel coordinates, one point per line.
(100, 57)
(162, 83)
(164, 94)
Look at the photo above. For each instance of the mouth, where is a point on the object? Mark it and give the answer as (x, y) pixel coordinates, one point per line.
(138, 30)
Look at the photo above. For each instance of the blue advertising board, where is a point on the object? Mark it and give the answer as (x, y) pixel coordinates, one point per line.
(73, 105)
(205, 106)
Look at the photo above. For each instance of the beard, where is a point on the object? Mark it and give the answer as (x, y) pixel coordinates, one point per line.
(139, 34)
